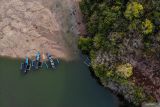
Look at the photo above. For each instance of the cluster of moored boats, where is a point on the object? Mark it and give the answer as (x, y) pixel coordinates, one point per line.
(37, 63)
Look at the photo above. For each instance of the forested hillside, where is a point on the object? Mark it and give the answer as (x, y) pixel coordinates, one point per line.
(123, 42)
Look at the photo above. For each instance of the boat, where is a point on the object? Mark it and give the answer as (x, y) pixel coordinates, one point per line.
(38, 60)
(36, 64)
(46, 64)
(25, 66)
(87, 61)
(51, 60)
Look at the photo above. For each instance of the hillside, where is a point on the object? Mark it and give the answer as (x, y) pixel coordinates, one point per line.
(123, 42)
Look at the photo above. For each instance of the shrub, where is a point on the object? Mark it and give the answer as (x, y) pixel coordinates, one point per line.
(98, 41)
(100, 70)
(85, 44)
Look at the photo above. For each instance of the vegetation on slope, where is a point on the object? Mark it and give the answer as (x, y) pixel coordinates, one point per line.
(120, 31)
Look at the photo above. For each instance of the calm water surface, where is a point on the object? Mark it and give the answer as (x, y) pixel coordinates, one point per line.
(71, 85)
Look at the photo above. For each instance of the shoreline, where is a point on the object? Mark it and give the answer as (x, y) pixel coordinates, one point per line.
(122, 101)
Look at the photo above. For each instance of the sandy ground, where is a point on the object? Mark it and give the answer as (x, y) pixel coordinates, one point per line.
(27, 26)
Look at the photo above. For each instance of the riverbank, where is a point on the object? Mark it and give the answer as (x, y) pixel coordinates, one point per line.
(122, 101)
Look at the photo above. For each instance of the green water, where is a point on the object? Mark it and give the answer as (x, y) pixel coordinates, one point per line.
(71, 85)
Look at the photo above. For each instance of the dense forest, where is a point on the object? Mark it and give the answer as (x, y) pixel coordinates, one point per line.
(123, 42)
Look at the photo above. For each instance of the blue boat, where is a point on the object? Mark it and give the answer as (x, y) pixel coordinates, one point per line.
(36, 64)
(38, 60)
(25, 67)
(38, 56)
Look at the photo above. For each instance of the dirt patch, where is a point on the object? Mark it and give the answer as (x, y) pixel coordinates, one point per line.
(27, 26)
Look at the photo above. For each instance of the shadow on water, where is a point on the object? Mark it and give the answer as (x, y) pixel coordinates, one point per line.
(70, 85)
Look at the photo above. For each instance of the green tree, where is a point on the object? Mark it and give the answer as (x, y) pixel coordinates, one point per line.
(85, 44)
(147, 26)
(106, 18)
(124, 70)
(100, 70)
(134, 9)
(98, 41)
(93, 23)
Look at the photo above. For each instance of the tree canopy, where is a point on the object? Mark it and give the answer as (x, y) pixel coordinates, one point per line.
(134, 10)
(117, 31)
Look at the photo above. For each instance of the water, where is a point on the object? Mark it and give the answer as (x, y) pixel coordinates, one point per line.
(71, 85)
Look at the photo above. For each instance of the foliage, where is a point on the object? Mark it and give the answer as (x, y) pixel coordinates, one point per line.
(139, 95)
(98, 41)
(85, 44)
(134, 25)
(93, 23)
(114, 27)
(106, 19)
(134, 9)
(125, 70)
(147, 26)
(156, 17)
(99, 70)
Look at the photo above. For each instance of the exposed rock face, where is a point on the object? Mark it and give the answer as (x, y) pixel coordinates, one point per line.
(27, 26)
